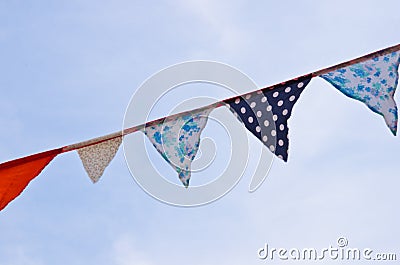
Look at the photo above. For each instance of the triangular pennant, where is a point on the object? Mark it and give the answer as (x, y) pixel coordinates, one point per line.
(265, 113)
(178, 139)
(15, 175)
(372, 82)
(95, 158)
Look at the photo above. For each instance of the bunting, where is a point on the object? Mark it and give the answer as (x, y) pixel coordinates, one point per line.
(371, 79)
(265, 113)
(178, 140)
(372, 82)
(95, 158)
(15, 175)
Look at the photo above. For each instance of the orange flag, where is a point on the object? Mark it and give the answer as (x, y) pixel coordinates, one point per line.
(15, 175)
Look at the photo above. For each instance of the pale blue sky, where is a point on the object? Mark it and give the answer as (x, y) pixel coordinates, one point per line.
(68, 69)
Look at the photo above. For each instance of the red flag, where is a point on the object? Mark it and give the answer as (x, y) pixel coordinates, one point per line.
(15, 175)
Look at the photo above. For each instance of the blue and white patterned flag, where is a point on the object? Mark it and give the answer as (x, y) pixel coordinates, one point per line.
(265, 113)
(372, 82)
(178, 140)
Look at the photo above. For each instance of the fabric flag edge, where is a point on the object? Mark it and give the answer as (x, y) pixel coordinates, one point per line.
(13, 189)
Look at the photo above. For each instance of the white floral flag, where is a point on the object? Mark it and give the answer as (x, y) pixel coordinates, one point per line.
(178, 139)
(95, 158)
(372, 82)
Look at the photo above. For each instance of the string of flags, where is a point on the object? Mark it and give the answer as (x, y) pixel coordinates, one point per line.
(371, 79)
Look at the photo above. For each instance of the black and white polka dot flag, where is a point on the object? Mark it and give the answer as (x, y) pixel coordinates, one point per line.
(265, 113)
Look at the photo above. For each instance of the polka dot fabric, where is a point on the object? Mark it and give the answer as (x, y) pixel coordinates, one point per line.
(265, 113)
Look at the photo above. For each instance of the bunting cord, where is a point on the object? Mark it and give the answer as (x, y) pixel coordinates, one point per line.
(30, 158)
(132, 129)
(140, 127)
(357, 60)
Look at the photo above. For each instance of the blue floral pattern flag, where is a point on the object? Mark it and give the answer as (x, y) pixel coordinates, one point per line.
(372, 82)
(178, 140)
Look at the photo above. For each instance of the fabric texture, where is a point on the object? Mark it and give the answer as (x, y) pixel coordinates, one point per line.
(372, 82)
(95, 158)
(15, 175)
(178, 140)
(265, 113)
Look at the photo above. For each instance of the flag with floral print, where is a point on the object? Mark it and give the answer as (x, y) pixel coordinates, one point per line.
(372, 82)
(95, 158)
(178, 139)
